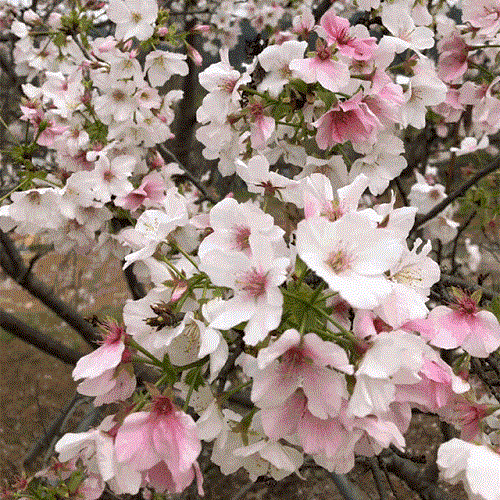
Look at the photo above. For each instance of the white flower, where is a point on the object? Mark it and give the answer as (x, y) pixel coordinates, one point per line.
(396, 18)
(382, 164)
(394, 358)
(161, 65)
(133, 18)
(425, 196)
(477, 466)
(222, 83)
(153, 226)
(255, 281)
(233, 224)
(351, 255)
(275, 59)
(411, 279)
(424, 89)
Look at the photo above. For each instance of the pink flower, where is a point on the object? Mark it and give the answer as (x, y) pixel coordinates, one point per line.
(262, 127)
(104, 358)
(465, 415)
(304, 364)
(163, 443)
(482, 14)
(337, 31)
(351, 120)
(452, 58)
(331, 74)
(437, 387)
(477, 332)
(315, 434)
(151, 192)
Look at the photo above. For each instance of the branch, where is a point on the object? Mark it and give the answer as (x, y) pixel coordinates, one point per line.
(52, 431)
(378, 477)
(348, 489)
(136, 288)
(456, 194)
(165, 153)
(446, 279)
(13, 264)
(422, 482)
(25, 332)
(187, 107)
(461, 229)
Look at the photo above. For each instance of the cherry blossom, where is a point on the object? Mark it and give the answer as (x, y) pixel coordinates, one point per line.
(133, 18)
(348, 257)
(477, 466)
(351, 120)
(476, 331)
(162, 442)
(331, 74)
(255, 281)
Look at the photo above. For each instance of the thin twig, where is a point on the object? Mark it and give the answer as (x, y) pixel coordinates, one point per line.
(460, 230)
(348, 489)
(42, 444)
(164, 152)
(243, 491)
(456, 194)
(378, 477)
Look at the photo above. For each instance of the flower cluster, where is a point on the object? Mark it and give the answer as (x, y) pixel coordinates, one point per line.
(325, 314)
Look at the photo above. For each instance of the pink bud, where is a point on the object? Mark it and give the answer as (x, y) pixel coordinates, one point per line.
(201, 28)
(194, 55)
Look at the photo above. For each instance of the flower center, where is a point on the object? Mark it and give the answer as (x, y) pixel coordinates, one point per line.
(323, 52)
(467, 306)
(136, 17)
(254, 282)
(118, 95)
(165, 317)
(333, 211)
(339, 260)
(162, 405)
(407, 277)
(227, 85)
(241, 237)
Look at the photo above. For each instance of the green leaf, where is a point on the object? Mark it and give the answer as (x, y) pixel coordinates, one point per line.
(98, 132)
(495, 307)
(194, 378)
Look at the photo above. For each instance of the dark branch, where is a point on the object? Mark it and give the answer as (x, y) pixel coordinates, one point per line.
(166, 154)
(456, 194)
(348, 489)
(13, 264)
(136, 288)
(421, 481)
(25, 332)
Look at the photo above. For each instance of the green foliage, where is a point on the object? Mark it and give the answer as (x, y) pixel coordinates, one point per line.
(98, 131)
(494, 307)
(484, 200)
(194, 378)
